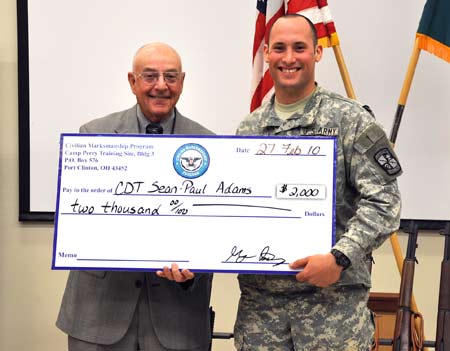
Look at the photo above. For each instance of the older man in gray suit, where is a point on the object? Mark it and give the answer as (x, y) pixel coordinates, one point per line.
(166, 310)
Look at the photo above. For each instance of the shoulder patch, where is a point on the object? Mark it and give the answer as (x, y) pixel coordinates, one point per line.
(374, 143)
(387, 161)
(369, 137)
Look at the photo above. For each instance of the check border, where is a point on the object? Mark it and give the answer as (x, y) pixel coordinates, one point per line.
(69, 177)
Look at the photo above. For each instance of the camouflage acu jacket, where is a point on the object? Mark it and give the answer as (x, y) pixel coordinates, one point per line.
(367, 197)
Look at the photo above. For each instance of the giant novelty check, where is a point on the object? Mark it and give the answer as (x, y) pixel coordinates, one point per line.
(207, 203)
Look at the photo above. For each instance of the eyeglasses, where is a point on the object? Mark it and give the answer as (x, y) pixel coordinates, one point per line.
(153, 77)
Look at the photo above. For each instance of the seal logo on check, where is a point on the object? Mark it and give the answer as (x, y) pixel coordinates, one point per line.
(191, 160)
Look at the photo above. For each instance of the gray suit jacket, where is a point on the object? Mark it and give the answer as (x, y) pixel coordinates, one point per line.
(98, 306)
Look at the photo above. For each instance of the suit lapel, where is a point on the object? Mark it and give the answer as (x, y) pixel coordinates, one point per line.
(129, 122)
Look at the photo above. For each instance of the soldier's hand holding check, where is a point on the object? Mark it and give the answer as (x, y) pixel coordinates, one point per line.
(319, 270)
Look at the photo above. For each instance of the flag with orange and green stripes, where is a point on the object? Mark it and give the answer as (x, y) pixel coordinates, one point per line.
(434, 28)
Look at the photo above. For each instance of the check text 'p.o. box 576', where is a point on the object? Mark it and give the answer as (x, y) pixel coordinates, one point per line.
(207, 203)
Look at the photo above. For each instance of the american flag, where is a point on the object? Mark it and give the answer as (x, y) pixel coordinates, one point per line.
(268, 11)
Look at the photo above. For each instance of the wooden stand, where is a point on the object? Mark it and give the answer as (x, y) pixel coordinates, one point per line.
(384, 305)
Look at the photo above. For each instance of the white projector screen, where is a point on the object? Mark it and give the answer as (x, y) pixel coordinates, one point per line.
(74, 56)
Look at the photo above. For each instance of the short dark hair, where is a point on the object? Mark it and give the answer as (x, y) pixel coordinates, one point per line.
(312, 27)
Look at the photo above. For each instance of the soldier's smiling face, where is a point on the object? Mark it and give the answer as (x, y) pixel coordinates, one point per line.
(292, 55)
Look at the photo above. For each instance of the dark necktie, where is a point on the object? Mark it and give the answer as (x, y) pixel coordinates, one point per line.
(153, 128)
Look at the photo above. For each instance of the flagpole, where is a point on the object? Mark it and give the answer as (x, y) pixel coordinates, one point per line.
(393, 137)
(344, 72)
(405, 91)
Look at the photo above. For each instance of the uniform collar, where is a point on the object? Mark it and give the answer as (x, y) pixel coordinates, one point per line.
(270, 120)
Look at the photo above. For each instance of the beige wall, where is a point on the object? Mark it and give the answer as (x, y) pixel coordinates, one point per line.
(30, 292)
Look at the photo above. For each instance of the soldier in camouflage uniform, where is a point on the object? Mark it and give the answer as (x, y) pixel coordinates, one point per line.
(324, 306)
